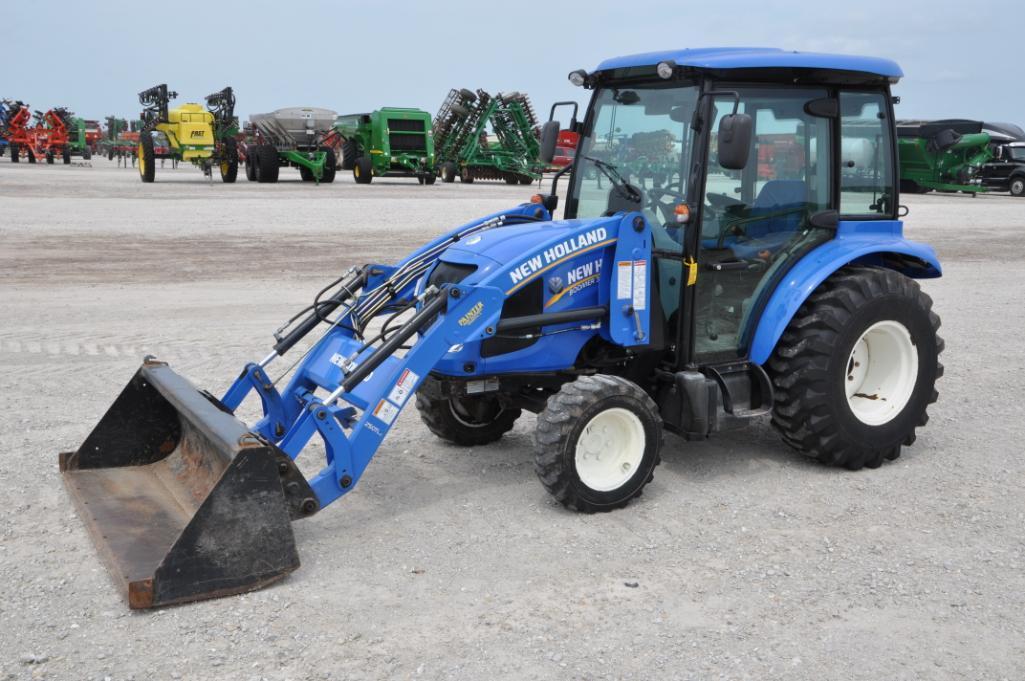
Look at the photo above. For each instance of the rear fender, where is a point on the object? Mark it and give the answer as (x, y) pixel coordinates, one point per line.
(880, 243)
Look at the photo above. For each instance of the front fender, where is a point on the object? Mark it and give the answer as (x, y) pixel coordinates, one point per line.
(876, 242)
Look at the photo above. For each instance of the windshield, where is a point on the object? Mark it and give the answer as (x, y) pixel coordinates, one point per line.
(636, 153)
(1017, 153)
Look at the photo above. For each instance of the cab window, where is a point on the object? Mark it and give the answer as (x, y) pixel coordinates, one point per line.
(866, 163)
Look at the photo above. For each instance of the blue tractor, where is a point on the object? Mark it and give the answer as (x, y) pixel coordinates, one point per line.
(730, 247)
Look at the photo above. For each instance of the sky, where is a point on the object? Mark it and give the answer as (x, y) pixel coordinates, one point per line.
(959, 59)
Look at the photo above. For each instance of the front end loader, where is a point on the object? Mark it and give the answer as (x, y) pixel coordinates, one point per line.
(203, 136)
(708, 296)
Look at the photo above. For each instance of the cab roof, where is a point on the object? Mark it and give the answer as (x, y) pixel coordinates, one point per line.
(725, 58)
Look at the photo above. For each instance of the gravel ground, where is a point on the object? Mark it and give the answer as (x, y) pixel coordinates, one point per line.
(749, 562)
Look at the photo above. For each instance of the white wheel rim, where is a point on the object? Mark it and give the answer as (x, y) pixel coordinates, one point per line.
(881, 373)
(1018, 186)
(609, 449)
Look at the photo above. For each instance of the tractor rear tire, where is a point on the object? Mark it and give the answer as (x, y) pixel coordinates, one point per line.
(466, 421)
(229, 161)
(1017, 186)
(466, 177)
(147, 166)
(330, 165)
(14, 152)
(855, 371)
(350, 152)
(267, 164)
(66, 154)
(448, 172)
(363, 171)
(597, 443)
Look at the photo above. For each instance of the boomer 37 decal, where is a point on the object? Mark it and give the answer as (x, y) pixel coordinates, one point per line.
(550, 257)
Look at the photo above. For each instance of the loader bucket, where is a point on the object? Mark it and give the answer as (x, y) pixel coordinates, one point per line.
(182, 501)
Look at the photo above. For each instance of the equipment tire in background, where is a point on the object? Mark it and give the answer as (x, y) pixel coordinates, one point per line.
(855, 371)
(147, 167)
(466, 176)
(330, 165)
(110, 154)
(349, 154)
(66, 154)
(14, 152)
(430, 178)
(49, 157)
(87, 153)
(597, 443)
(363, 171)
(305, 174)
(1017, 186)
(466, 421)
(228, 163)
(526, 180)
(448, 171)
(267, 163)
(250, 164)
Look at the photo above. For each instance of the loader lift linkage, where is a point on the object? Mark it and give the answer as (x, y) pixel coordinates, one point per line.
(738, 297)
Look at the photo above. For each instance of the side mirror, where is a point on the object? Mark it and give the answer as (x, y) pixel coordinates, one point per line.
(549, 139)
(735, 140)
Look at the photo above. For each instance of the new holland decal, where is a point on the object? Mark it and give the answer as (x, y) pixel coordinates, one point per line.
(578, 279)
(550, 257)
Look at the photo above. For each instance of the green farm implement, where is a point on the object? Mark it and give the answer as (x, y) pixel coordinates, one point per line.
(464, 148)
(944, 156)
(295, 137)
(389, 142)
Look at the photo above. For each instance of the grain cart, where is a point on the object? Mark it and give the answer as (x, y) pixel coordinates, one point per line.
(203, 136)
(715, 297)
(293, 137)
(945, 156)
(389, 142)
(461, 141)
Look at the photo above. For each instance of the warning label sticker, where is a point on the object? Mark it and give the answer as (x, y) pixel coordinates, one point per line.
(624, 279)
(640, 281)
(338, 360)
(403, 388)
(386, 411)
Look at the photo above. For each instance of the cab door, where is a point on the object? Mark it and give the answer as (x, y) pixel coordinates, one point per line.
(755, 222)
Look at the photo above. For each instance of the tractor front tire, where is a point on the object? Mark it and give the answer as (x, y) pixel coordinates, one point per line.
(855, 371)
(229, 161)
(363, 171)
(330, 165)
(1017, 186)
(597, 443)
(267, 165)
(466, 421)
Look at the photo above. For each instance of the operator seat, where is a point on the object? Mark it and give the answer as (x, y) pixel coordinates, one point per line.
(780, 201)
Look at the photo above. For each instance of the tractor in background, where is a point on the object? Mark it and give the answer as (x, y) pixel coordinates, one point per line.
(388, 142)
(203, 136)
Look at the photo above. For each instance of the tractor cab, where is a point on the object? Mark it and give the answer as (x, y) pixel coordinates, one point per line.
(743, 161)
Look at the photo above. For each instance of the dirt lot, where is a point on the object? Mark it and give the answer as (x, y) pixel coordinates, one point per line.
(750, 562)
